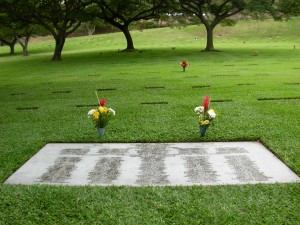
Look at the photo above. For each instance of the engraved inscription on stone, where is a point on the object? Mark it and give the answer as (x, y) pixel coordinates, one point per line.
(245, 170)
(152, 170)
(106, 170)
(199, 170)
(138, 164)
(191, 151)
(113, 151)
(61, 170)
(230, 150)
(74, 151)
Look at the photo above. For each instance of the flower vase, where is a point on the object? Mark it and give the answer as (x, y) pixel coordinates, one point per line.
(100, 132)
(203, 131)
(183, 68)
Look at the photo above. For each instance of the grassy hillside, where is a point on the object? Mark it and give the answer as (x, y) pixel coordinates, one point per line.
(255, 97)
(248, 31)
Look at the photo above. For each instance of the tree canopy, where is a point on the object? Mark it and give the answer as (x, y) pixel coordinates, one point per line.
(121, 13)
(18, 18)
(213, 12)
(288, 7)
(7, 31)
(60, 18)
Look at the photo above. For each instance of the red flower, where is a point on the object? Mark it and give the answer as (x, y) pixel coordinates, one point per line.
(206, 103)
(102, 102)
(183, 63)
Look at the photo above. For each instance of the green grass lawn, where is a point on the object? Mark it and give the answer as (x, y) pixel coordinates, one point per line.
(255, 97)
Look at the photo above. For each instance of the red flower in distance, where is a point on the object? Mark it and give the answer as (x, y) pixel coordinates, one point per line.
(206, 103)
(102, 102)
(183, 63)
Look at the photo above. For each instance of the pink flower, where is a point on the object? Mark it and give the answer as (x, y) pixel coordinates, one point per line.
(206, 103)
(102, 102)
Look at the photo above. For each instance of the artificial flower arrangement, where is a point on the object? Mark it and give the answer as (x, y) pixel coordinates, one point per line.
(101, 116)
(183, 64)
(205, 115)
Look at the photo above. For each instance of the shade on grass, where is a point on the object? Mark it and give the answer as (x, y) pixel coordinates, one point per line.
(40, 99)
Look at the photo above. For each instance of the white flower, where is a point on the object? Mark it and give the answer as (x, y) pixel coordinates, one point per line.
(91, 112)
(112, 111)
(199, 109)
(211, 113)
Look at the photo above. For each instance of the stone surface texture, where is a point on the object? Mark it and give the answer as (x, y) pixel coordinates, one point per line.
(153, 164)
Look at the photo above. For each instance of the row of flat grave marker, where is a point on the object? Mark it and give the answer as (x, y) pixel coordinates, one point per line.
(165, 103)
(158, 87)
(154, 164)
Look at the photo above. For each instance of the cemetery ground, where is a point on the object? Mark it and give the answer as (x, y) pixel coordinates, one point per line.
(256, 98)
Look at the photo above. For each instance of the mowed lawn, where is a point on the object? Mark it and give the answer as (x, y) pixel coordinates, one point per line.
(256, 98)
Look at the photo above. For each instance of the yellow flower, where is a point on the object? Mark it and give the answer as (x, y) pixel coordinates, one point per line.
(103, 110)
(96, 115)
(205, 122)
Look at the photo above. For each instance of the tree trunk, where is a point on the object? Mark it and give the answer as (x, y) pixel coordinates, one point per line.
(25, 49)
(209, 38)
(12, 46)
(59, 44)
(24, 45)
(127, 34)
(12, 49)
(91, 30)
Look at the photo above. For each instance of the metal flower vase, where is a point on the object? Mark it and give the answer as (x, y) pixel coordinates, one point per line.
(100, 132)
(203, 130)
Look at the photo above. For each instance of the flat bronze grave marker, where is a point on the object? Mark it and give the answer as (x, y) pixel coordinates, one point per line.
(154, 164)
(27, 108)
(106, 89)
(202, 86)
(61, 92)
(21, 93)
(154, 103)
(283, 98)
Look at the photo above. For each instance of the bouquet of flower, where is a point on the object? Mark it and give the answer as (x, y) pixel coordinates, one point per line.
(183, 64)
(205, 115)
(101, 115)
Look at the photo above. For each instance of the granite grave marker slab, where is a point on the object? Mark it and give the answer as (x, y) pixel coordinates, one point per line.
(155, 164)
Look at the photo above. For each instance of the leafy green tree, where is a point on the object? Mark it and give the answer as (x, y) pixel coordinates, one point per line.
(24, 31)
(7, 36)
(213, 12)
(121, 14)
(14, 30)
(90, 27)
(59, 17)
(288, 7)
